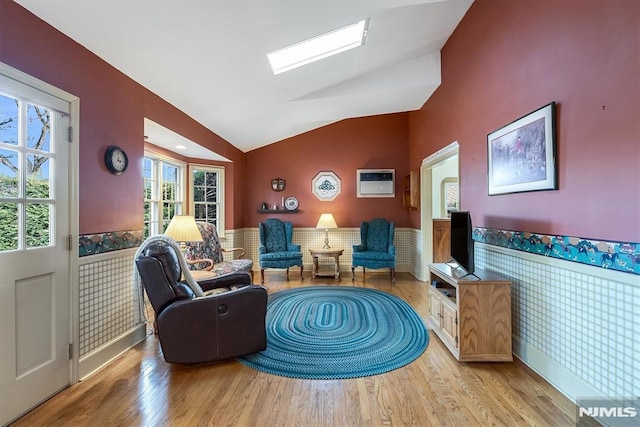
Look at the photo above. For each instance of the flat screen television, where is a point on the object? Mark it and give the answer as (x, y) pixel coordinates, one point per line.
(462, 240)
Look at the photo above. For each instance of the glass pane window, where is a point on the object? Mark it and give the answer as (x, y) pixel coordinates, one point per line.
(9, 184)
(163, 193)
(38, 221)
(9, 230)
(26, 186)
(38, 180)
(207, 195)
(8, 120)
(38, 128)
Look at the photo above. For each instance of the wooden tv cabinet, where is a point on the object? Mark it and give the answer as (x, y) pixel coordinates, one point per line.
(471, 315)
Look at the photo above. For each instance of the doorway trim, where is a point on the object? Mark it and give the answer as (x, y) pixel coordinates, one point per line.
(426, 205)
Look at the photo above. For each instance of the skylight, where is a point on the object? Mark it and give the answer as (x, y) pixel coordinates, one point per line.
(318, 47)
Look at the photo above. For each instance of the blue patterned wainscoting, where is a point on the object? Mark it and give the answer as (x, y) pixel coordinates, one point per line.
(621, 256)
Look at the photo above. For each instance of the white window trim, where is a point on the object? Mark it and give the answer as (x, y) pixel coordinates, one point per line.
(220, 170)
(182, 178)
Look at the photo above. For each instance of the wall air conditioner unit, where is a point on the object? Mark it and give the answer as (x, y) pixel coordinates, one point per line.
(376, 182)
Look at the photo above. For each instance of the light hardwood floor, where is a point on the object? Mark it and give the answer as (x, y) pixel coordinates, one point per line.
(141, 389)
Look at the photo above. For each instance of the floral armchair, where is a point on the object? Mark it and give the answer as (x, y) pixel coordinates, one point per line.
(276, 249)
(376, 249)
(209, 254)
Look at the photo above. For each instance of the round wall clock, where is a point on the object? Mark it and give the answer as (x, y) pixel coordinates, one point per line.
(326, 186)
(116, 160)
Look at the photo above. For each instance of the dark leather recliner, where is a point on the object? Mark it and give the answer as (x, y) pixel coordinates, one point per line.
(202, 329)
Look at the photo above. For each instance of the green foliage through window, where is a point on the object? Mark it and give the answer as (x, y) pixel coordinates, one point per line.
(37, 216)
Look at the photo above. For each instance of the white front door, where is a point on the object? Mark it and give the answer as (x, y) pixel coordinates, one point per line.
(34, 259)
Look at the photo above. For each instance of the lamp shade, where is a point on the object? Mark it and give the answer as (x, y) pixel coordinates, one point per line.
(183, 228)
(326, 221)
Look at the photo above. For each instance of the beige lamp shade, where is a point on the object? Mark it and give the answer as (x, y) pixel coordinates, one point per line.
(183, 228)
(326, 221)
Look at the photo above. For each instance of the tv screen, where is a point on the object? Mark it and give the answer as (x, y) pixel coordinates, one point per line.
(462, 240)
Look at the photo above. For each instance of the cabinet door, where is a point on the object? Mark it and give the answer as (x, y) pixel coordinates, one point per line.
(434, 306)
(449, 322)
(441, 240)
(411, 190)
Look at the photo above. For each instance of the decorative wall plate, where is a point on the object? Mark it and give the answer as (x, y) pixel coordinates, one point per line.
(291, 203)
(326, 185)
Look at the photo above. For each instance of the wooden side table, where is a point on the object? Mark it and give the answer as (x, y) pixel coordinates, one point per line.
(334, 253)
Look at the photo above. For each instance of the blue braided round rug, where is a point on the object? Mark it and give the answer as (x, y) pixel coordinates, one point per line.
(332, 332)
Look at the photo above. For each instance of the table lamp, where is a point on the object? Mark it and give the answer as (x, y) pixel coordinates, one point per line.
(182, 229)
(326, 221)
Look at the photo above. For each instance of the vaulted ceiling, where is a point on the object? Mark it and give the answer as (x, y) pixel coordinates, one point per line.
(208, 58)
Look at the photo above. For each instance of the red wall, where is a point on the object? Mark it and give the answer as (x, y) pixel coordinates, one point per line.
(504, 60)
(363, 143)
(112, 109)
(508, 58)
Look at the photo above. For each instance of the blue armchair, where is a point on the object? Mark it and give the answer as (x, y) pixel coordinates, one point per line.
(376, 249)
(276, 249)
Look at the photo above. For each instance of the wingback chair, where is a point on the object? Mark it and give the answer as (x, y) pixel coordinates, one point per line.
(376, 249)
(276, 249)
(209, 254)
(228, 321)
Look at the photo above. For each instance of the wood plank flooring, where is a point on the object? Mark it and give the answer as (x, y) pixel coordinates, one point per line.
(141, 389)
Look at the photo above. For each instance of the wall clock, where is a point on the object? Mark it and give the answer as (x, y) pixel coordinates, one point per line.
(116, 160)
(326, 185)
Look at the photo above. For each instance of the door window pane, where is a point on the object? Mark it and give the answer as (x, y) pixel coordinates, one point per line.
(8, 120)
(38, 128)
(9, 173)
(38, 220)
(26, 158)
(38, 180)
(8, 226)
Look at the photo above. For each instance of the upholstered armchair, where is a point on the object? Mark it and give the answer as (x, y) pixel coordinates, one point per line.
(227, 321)
(376, 249)
(276, 249)
(209, 254)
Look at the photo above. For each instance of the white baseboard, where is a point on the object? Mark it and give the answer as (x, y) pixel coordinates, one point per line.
(560, 378)
(102, 356)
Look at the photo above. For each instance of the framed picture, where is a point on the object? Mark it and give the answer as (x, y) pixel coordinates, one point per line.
(326, 185)
(522, 155)
(450, 198)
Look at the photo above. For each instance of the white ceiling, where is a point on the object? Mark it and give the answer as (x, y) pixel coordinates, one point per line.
(208, 57)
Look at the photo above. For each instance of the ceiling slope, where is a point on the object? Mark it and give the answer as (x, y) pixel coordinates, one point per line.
(208, 58)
